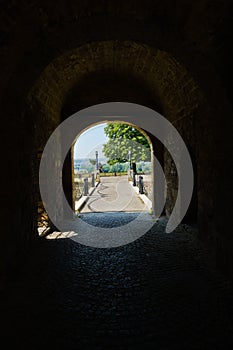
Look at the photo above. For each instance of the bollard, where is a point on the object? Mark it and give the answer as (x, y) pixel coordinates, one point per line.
(141, 184)
(93, 180)
(134, 179)
(85, 187)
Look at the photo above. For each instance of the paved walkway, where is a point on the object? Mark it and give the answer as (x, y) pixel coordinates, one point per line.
(114, 193)
(158, 292)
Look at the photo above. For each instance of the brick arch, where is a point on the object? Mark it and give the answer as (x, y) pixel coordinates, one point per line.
(170, 83)
(166, 80)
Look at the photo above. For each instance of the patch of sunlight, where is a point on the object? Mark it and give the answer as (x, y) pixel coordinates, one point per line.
(57, 234)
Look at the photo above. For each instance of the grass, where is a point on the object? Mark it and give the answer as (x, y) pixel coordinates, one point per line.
(113, 174)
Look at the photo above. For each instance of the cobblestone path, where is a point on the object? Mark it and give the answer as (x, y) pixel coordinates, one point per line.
(158, 292)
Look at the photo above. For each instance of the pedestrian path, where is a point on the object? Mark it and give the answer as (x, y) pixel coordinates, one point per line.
(114, 194)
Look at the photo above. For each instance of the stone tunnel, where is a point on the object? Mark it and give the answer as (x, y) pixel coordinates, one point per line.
(60, 57)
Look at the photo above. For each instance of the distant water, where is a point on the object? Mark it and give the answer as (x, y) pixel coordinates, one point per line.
(82, 163)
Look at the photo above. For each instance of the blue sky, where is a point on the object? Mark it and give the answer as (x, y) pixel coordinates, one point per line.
(89, 142)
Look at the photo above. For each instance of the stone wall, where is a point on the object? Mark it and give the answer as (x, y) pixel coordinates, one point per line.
(180, 51)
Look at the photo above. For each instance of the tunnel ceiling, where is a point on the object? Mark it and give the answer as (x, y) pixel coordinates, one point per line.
(108, 86)
(155, 71)
(37, 30)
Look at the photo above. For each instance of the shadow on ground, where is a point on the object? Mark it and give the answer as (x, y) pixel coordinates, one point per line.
(155, 293)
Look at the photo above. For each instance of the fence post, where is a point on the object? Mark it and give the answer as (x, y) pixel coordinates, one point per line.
(134, 179)
(134, 173)
(93, 180)
(85, 186)
(140, 184)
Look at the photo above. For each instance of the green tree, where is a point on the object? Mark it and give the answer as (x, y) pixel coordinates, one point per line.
(124, 138)
(92, 161)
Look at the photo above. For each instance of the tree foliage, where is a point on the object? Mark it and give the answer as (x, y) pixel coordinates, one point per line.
(125, 142)
(92, 161)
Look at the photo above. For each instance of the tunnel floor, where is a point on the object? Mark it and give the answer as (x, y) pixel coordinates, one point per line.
(159, 292)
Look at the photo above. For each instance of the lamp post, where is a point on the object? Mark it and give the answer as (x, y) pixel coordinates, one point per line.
(129, 154)
(96, 157)
(115, 165)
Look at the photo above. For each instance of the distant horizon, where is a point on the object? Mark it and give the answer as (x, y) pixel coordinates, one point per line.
(104, 158)
(89, 158)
